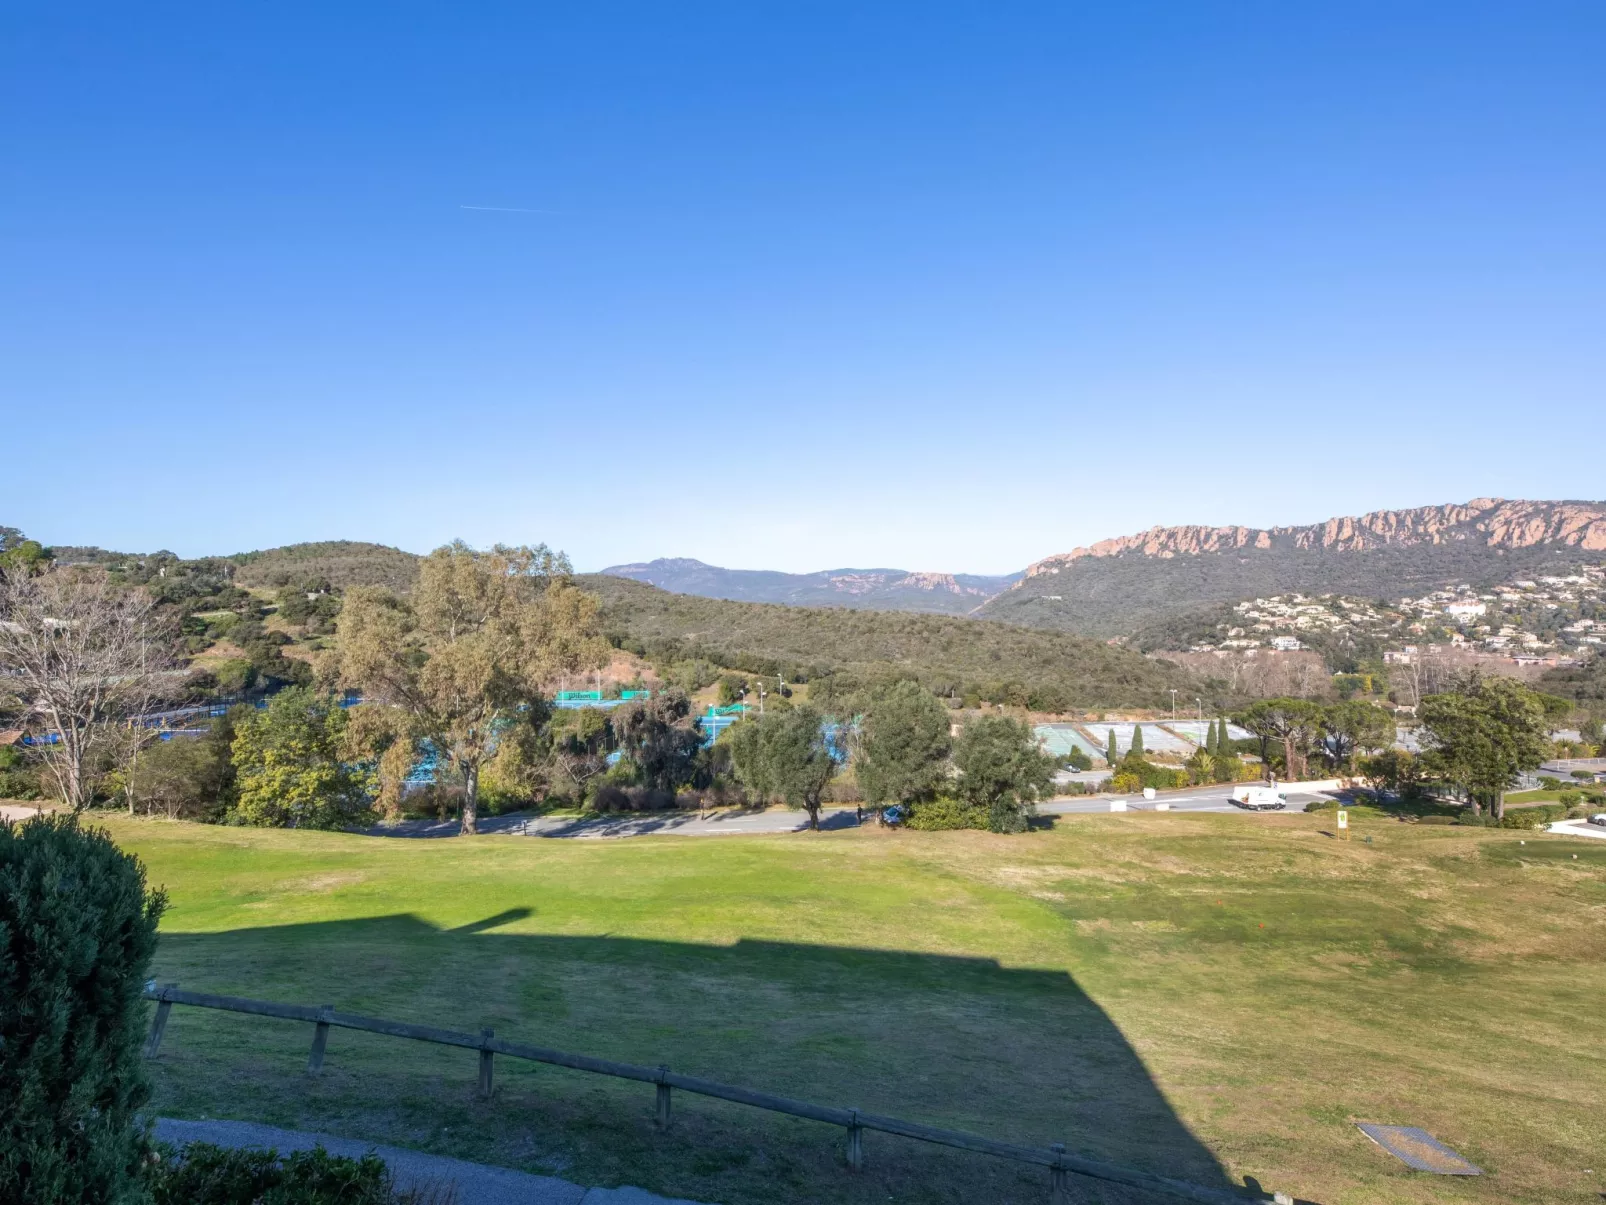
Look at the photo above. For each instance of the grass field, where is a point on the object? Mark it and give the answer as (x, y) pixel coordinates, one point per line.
(1208, 997)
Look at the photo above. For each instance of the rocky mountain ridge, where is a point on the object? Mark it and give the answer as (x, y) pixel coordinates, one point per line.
(1116, 587)
(1493, 522)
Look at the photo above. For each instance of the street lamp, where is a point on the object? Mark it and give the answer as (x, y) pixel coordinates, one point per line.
(1173, 705)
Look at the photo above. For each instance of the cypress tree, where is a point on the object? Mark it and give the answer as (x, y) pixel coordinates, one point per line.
(77, 931)
(1223, 741)
(1212, 746)
(1111, 754)
(1137, 740)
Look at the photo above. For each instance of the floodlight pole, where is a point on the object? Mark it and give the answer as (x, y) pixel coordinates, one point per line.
(1173, 705)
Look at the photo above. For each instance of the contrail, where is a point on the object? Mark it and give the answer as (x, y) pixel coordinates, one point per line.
(501, 209)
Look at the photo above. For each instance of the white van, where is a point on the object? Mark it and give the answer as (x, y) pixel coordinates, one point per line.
(1259, 799)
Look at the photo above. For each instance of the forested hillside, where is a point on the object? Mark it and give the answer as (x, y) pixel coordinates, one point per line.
(342, 563)
(1050, 670)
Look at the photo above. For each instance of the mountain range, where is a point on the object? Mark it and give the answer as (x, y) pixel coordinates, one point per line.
(1117, 586)
(862, 589)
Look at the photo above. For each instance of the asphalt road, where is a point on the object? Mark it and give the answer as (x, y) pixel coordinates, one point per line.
(738, 823)
(1197, 799)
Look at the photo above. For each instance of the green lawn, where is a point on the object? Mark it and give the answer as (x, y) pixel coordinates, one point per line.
(1209, 997)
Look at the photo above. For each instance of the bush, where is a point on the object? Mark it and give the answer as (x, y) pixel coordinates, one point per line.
(610, 797)
(1548, 782)
(946, 813)
(1533, 817)
(1321, 805)
(203, 1174)
(1570, 798)
(1436, 820)
(77, 932)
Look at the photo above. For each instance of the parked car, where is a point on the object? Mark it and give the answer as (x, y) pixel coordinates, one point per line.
(1598, 818)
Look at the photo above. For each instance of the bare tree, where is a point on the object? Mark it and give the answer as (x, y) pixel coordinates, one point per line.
(79, 654)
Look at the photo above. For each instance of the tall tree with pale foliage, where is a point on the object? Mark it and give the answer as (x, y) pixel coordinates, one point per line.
(466, 657)
(81, 656)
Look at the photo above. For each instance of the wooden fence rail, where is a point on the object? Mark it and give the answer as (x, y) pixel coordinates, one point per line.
(1061, 1164)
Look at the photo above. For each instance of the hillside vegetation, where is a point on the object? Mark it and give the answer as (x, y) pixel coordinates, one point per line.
(341, 563)
(947, 653)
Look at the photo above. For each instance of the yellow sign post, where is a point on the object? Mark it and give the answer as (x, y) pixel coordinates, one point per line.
(1343, 824)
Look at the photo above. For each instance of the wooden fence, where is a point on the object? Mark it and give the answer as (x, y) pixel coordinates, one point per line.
(1060, 1163)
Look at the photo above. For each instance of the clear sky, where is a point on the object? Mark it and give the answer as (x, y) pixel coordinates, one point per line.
(792, 285)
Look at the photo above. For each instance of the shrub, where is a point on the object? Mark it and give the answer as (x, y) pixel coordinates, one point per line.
(945, 812)
(203, 1174)
(1533, 817)
(1436, 820)
(1548, 782)
(1321, 805)
(77, 932)
(610, 797)
(1126, 783)
(1570, 798)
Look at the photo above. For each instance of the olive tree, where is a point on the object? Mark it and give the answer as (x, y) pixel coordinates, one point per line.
(1003, 770)
(467, 656)
(903, 754)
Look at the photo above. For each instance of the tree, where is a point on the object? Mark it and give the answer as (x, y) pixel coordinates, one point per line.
(581, 740)
(1223, 739)
(20, 554)
(1137, 740)
(469, 654)
(77, 932)
(1355, 727)
(658, 737)
(903, 754)
(187, 778)
(1002, 770)
(1484, 734)
(783, 754)
(1112, 753)
(290, 767)
(1292, 722)
(80, 654)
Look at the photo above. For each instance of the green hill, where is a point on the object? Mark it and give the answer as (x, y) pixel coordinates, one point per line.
(947, 653)
(343, 562)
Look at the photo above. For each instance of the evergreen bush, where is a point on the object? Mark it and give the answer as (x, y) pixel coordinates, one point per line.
(77, 932)
(945, 812)
(203, 1174)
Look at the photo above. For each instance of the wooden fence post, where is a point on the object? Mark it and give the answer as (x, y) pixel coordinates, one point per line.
(320, 1039)
(855, 1143)
(1059, 1180)
(159, 1023)
(485, 1064)
(663, 1097)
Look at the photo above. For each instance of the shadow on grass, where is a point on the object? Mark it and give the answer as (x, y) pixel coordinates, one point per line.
(1020, 1055)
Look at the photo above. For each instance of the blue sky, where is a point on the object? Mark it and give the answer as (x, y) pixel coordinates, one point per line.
(938, 286)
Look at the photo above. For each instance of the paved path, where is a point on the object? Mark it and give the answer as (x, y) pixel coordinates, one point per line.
(682, 824)
(780, 820)
(1196, 799)
(476, 1183)
(1578, 828)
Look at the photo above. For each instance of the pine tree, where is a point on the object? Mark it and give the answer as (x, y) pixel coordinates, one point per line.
(1111, 754)
(1223, 741)
(1137, 740)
